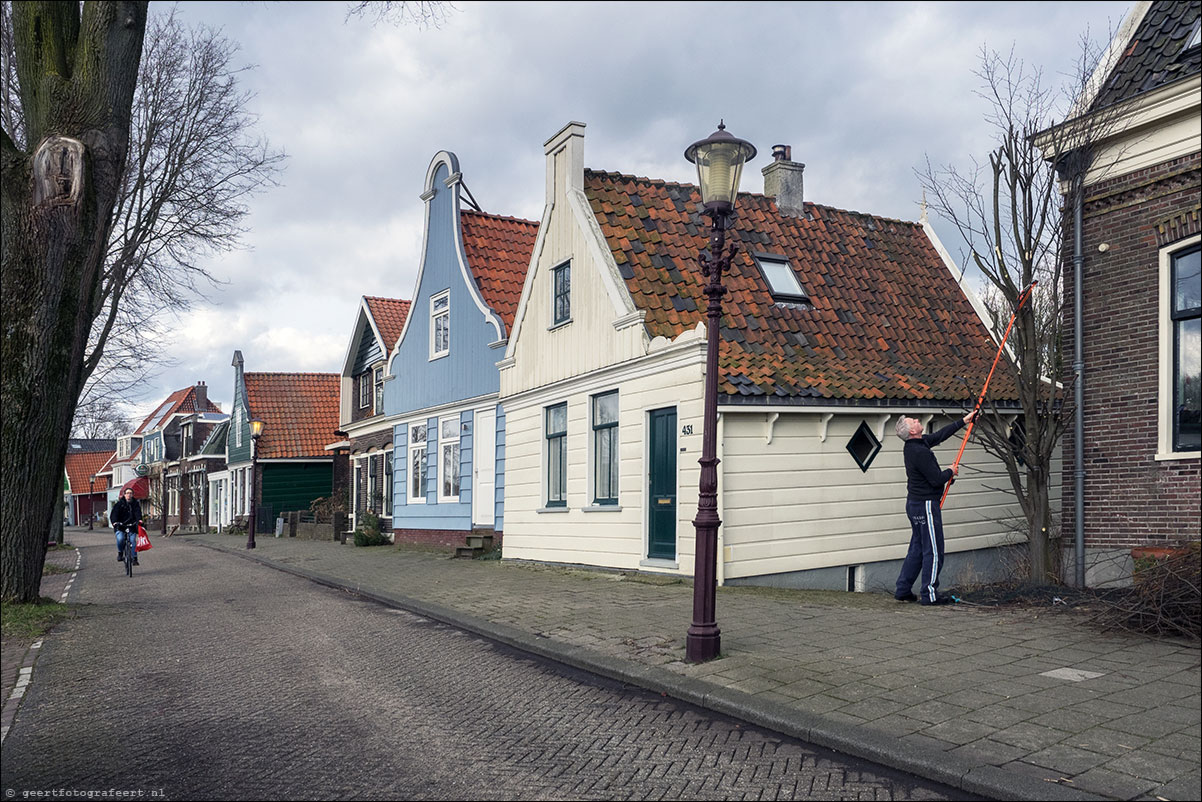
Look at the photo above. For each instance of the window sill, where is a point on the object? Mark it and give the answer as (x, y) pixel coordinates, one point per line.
(1177, 455)
(602, 508)
(658, 562)
(559, 325)
(541, 510)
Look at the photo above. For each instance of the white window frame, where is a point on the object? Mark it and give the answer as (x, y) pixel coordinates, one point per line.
(595, 433)
(377, 394)
(446, 441)
(389, 478)
(364, 382)
(435, 315)
(548, 502)
(425, 462)
(1164, 424)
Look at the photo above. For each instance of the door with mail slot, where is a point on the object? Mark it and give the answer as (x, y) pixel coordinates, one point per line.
(661, 482)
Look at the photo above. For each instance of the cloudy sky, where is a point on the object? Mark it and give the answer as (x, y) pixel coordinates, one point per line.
(864, 93)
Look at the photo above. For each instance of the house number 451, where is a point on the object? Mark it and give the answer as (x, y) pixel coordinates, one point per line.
(686, 429)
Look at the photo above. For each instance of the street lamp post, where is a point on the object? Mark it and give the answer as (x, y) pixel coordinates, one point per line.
(256, 431)
(719, 159)
(91, 501)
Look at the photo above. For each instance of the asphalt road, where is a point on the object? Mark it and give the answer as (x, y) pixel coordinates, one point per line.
(209, 677)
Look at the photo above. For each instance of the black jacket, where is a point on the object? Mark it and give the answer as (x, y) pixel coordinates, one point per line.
(126, 514)
(924, 480)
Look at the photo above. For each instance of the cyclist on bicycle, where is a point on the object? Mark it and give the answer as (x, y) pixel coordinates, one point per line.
(125, 518)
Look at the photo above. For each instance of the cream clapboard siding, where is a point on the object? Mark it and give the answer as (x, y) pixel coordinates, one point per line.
(609, 538)
(590, 341)
(799, 503)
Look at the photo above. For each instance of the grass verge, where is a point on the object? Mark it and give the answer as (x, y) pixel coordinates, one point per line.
(30, 621)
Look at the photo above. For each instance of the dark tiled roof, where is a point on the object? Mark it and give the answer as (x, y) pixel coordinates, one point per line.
(1154, 56)
(299, 412)
(81, 466)
(498, 253)
(887, 319)
(389, 314)
(80, 445)
(214, 444)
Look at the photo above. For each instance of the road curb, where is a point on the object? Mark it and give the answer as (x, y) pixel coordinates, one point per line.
(861, 742)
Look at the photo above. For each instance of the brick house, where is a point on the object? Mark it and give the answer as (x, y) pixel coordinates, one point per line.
(1140, 294)
(369, 432)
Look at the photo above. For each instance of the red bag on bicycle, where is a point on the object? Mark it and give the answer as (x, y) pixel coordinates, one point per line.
(143, 540)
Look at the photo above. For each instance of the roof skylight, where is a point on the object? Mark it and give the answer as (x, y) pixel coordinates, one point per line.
(782, 280)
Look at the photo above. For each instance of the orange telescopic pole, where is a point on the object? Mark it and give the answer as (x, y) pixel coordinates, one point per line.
(1022, 299)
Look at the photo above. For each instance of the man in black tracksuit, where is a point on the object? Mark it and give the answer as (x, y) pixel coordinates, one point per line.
(924, 488)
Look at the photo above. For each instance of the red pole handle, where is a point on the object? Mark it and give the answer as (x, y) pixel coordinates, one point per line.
(1022, 299)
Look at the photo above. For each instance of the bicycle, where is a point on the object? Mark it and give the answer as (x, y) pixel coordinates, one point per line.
(130, 552)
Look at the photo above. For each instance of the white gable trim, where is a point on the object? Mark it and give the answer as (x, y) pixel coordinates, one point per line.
(452, 183)
(535, 253)
(348, 361)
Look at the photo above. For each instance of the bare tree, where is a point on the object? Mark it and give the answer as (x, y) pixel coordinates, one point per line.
(180, 197)
(99, 420)
(422, 13)
(1008, 214)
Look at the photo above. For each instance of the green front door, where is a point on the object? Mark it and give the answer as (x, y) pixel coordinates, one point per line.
(661, 481)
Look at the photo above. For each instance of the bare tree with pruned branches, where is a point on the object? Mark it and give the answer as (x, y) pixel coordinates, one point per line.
(1007, 211)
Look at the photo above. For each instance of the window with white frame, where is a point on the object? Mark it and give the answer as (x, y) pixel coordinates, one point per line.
(417, 463)
(448, 461)
(387, 511)
(364, 380)
(440, 325)
(605, 448)
(373, 482)
(377, 374)
(557, 455)
(561, 302)
(1181, 348)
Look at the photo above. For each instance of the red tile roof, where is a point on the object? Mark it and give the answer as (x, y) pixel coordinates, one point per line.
(82, 466)
(180, 401)
(887, 321)
(498, 252)
(389, 314)
(299, 412)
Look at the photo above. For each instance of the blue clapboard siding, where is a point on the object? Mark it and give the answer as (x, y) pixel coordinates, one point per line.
(369, 351)
(468, 372)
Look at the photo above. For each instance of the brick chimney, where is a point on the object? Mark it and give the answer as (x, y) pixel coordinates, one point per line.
(783, 181)
(201, 394)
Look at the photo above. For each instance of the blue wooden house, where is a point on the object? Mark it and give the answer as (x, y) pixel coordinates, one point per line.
(449, 434)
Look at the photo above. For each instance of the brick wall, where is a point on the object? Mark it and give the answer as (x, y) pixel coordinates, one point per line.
(1130, 498)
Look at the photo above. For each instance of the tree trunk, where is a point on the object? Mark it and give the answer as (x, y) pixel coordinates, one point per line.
(77, 80)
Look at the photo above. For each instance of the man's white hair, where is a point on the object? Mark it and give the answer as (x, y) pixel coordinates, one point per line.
(903, 428)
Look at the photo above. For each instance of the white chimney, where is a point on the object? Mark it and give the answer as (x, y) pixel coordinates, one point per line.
(783, 181)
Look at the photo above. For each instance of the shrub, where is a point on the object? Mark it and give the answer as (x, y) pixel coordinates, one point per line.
(367, 533)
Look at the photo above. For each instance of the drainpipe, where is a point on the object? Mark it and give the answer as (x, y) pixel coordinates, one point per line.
(1079, 375)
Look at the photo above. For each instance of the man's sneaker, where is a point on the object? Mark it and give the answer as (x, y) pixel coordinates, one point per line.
(120, 557)
(135, 560)
(939, 600)
(909, 597)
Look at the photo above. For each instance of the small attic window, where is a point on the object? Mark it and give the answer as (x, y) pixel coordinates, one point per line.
(863, 446)
(782, 280)
(1195, 38)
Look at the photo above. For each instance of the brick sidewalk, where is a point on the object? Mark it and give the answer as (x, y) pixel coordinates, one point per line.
(1009, 704)
(20, 654)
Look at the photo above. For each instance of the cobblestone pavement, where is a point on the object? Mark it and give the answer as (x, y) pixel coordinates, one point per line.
(1013, 705)
(210, 677)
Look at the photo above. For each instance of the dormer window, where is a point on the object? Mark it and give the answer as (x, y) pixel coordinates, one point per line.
(781, 278)
(1195, 38)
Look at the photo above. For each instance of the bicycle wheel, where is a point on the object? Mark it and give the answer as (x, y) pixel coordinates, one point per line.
(129, 554)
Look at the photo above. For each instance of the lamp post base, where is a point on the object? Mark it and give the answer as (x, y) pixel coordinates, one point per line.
(701, 646)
